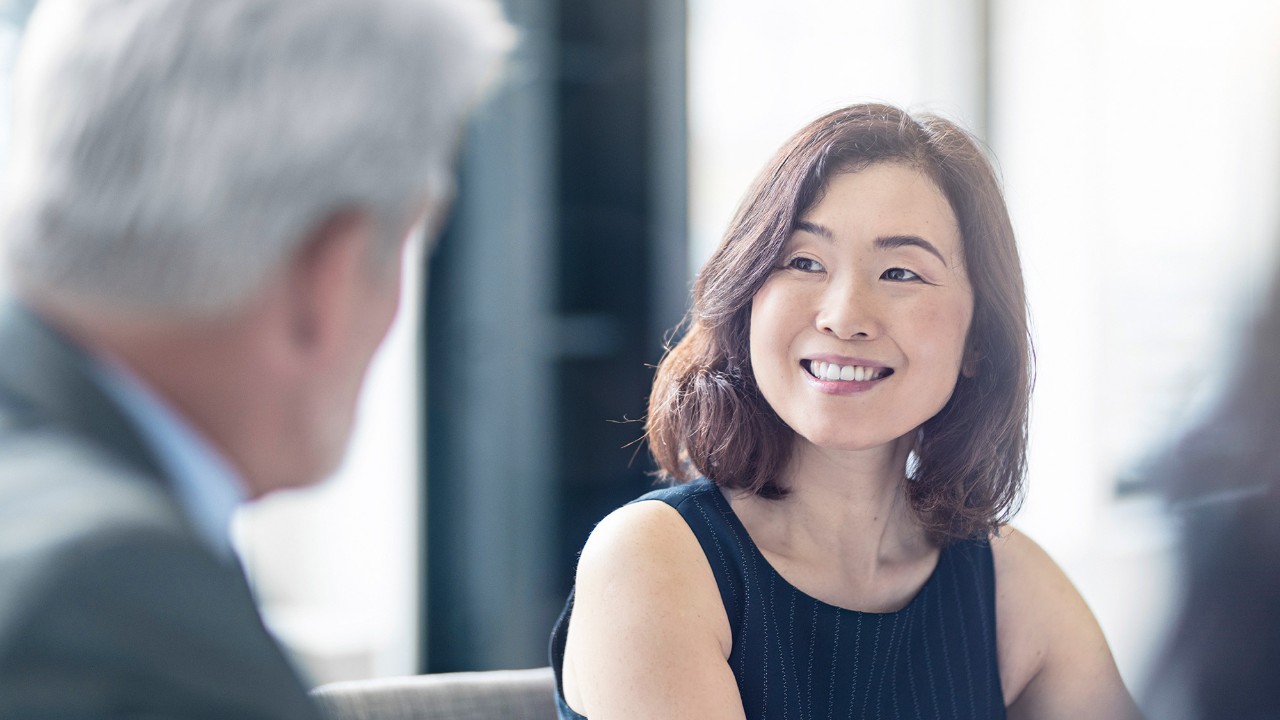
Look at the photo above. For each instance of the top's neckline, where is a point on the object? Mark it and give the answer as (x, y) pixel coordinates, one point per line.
(735, 523)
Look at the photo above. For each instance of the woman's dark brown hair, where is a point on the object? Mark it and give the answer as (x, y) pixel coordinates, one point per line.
(706, 415)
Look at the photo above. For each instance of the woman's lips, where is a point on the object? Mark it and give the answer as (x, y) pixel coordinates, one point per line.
(849, 371)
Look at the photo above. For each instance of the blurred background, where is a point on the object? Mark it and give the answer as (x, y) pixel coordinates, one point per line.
(1139, 144)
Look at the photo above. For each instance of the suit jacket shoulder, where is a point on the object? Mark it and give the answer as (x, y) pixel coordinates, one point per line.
(110, 605)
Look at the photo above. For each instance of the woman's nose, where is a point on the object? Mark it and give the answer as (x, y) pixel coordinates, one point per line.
(849, 311)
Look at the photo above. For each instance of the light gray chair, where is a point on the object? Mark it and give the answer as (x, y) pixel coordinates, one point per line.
(492, 695)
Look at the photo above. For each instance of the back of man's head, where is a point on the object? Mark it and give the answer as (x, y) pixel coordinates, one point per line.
(170, 155)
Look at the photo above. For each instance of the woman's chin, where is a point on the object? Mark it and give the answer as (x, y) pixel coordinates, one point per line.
(856, 442)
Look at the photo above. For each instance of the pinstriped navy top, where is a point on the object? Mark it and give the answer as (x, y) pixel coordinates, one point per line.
(798, 657)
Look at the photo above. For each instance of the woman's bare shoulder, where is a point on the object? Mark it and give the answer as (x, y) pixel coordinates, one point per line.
(1025, 568)
(638, 559)
(1033, 598)
(1054, 659)
(637, 538)
(649, 635)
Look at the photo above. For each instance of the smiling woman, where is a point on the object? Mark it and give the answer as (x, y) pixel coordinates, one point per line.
(707, 416)
(847, 416)
(865, 270)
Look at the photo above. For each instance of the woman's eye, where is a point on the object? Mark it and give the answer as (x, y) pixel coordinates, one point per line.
(805, 264)
(899, 275)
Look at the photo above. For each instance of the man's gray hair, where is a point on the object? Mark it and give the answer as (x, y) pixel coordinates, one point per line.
(172, 154)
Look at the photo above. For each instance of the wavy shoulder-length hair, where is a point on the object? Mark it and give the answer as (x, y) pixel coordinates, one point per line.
(706, 414)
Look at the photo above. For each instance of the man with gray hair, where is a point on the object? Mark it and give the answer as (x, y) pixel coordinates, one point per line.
(205, 213)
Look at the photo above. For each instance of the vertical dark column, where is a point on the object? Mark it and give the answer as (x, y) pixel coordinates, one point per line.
(490, 430)
(604, 298)
(669, 168)
(562, 266)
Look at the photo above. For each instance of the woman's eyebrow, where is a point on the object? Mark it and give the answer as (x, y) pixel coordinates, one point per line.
(884, 243)
(815, 228)
(897, 241)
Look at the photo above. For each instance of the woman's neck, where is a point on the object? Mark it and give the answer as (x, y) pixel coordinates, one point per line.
(846, 512)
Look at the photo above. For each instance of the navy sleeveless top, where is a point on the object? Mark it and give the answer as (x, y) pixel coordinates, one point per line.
(797, 657)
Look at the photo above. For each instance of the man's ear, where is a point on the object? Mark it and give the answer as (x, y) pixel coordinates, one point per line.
(325, 278)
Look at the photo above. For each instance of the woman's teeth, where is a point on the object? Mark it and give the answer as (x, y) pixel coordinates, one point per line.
(856, 373)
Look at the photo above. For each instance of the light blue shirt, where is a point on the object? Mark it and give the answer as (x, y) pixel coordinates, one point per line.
(208, 488)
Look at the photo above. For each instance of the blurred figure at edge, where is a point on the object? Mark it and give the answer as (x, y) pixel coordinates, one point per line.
(1222, 659)
(206, 209)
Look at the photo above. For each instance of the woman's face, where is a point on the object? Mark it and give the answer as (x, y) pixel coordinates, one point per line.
(858, 336)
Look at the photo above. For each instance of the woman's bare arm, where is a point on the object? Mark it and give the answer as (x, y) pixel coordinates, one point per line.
(649, 637)
(1054, 660)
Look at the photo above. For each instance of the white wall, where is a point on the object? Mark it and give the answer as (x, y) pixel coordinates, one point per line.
(759, 70)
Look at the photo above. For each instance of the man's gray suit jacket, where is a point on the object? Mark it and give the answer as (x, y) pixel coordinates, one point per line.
(110, 604)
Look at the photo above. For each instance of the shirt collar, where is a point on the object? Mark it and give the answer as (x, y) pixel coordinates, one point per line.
(207, 487)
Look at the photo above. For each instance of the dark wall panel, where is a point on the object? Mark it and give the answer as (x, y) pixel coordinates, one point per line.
(565, 256)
